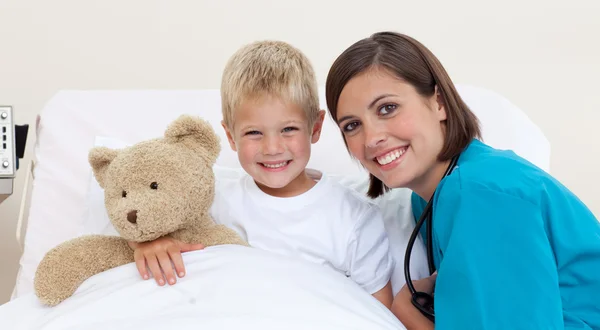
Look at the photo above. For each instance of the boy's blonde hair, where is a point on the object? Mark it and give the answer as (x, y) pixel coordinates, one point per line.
(272, 68)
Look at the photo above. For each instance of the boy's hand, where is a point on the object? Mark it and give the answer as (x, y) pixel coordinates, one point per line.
(158, 254)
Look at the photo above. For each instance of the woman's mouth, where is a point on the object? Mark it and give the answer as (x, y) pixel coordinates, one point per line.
(391, 157)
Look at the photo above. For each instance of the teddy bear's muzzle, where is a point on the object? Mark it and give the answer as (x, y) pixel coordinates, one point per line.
(132, 216)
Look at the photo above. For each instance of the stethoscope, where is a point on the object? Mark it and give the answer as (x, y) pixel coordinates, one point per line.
(427, 307)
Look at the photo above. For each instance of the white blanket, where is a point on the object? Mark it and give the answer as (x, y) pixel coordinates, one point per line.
(226, 287)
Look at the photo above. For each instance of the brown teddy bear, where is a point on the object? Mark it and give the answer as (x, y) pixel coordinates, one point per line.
(163, 186)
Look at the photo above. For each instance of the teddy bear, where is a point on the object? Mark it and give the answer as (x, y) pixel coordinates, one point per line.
(162, 186)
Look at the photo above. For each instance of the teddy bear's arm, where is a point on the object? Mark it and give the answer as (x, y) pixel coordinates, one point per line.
(221, 234)
(214, 234)
(69, 264)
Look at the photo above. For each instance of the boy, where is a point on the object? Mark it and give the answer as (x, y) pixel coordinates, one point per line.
(271, 117)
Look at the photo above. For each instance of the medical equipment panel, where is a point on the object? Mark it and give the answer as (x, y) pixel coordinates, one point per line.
(7, 150)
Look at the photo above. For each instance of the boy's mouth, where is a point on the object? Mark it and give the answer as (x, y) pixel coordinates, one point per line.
(276, 165)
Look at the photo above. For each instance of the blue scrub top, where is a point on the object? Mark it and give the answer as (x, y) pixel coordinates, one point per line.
(513, 247)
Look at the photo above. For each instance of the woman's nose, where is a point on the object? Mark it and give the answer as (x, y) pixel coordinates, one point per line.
(374, 135)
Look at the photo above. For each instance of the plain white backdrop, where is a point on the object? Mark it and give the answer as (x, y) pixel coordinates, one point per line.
(543, 55)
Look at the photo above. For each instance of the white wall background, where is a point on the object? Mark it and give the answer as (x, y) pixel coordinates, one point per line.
(543, 55)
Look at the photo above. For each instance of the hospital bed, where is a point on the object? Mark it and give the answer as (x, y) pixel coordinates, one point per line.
(226, 287)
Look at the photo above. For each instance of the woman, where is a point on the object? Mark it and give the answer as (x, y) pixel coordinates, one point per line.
(513, 248)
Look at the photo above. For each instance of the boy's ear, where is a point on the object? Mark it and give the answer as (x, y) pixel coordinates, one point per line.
(229, 136)
(317, 127)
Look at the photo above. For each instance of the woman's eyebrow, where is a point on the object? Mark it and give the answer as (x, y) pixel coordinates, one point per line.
(371, 105)
(378, 98)
(340, 120)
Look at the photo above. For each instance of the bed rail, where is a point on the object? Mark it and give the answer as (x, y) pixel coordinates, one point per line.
(24, 206)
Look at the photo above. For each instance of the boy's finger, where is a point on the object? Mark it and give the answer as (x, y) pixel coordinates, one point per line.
(155, 269)
(165, 264)
(140, 263)
(177, 261)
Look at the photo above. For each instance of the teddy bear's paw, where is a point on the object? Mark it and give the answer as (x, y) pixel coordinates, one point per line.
(64, 268)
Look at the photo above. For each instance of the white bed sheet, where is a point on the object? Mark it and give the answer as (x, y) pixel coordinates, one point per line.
(72, 120)
(225, 288)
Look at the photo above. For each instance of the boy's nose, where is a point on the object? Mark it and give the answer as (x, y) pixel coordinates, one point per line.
(273, 146)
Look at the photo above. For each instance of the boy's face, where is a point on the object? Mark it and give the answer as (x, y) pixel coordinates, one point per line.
(273, 141)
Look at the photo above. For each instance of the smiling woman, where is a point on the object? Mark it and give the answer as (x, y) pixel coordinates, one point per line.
(402, 118)
(408, 120)
(398, 84)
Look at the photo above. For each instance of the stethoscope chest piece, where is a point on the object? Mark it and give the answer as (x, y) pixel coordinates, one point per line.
(424, 303)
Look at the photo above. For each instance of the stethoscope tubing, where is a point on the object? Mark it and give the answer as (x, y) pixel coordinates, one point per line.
(427, 308)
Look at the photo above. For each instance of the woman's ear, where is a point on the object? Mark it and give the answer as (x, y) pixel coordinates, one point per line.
(317, 127)
(439, 104)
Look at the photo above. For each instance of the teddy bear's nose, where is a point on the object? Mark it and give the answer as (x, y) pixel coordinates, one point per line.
(132, 216)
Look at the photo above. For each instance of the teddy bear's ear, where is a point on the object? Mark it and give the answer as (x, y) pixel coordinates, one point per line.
(100, 158)
(197, 134)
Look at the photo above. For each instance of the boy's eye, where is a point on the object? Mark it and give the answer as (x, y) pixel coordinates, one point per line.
(252, 133)
(289, 129)
(387, 109)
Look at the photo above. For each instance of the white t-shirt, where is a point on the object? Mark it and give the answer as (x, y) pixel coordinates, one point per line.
(330, 225)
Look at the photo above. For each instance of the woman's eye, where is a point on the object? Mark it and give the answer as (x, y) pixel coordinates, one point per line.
(387, 109)
(350, 126)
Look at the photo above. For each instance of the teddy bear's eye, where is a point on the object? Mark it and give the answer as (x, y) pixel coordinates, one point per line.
(124, 194)
(154, 185)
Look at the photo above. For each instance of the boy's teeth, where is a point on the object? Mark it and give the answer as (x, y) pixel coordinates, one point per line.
(390, 157)
(275, 165)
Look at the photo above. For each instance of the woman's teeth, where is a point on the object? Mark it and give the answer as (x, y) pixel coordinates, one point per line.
(390, 156)
(276, 165)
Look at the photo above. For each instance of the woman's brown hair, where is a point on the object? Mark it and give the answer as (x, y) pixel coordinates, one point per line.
(412, 62)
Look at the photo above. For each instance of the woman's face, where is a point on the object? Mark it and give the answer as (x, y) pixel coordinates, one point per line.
(395, 132)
